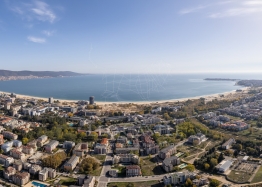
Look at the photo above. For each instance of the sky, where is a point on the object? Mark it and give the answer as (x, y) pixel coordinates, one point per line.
(131, 36)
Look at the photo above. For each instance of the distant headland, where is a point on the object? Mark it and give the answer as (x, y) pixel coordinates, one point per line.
(246, 83)
(16, 75)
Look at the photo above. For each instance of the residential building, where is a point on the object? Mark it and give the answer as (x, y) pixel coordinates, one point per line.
(28, 149)
(51, 146)
(1, 139)
(34, 169)
(21, 178)
(17, 143)
(5, 160)
(6, 147)
(18, 165)
(71, 163)
(126, 158)
(68, 145)
(133, 170)
(170, 162)
(17, 154)
(46, 173)
(86, 181)
(228, 143)
(91, 100)
(9, 135)
(9, 172)
(178, 178)
(81, 149)
(104, 142)
(167, 152)
(196, 139)
(41, 140)
(126, 150)
(100, 149)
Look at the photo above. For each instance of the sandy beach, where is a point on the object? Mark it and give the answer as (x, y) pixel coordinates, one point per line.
(207, 97)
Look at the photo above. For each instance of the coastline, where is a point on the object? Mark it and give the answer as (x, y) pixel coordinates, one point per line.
(207, 97)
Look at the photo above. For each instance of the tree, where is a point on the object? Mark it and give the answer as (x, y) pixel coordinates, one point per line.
(221, 157)
(213, 162)
(188, 183)
(176, 168)
(190, 167)
(207, 166)
(130, 185)
(25, 141)
(214, 183)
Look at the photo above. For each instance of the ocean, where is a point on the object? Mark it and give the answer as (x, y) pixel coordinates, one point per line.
(125, 87)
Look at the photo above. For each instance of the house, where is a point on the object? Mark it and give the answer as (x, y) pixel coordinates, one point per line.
(167, 152)
(81, 149)
(121, 139)
(133, 170)
(9, 172)
(162, 129)
(21, 178)
(71, 163)
(112, 173)
(5, 160)
(170, 162)
(228, 143)
(68, 145)
(41, 140)
(104, 142)
(100, 149)
(46, 173)
(51, 146)
(86, 181)
(126, 158)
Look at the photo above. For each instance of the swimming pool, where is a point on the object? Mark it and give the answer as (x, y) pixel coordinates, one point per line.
(37, 184)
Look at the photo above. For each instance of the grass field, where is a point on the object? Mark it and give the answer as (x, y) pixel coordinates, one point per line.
(239, 176)
(258, 176)
(100, 157)
(149, 167)
(136, 184)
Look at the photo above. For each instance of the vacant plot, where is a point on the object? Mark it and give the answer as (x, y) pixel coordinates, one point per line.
(190, 150)
(239, 176)
(258, 176)
(136, 184)
(100, 157)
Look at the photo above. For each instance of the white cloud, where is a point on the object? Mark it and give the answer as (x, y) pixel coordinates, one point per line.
(36, 39)
(191, 10)
(48, 33)
(235, 12)
(43, 12)
(228, 8)
(36, 10)
(252, 3)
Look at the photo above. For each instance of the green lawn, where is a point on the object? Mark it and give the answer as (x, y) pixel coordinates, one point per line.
(67, 181)
(136, 184)
(96, 172)
(258, 176)
(100, 157)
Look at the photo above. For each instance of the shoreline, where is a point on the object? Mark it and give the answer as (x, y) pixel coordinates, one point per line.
(207, 97)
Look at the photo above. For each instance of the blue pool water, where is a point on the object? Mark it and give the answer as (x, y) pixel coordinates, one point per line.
(38, 184)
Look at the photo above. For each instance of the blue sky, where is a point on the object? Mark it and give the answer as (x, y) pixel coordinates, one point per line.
(131, 36)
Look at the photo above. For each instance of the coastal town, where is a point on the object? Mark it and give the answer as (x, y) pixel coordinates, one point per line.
(197, 142)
